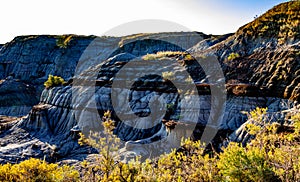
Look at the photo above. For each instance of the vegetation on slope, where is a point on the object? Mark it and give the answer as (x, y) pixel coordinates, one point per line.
(281, 22)
(272, 156)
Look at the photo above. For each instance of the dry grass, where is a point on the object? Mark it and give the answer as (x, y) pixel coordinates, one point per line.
(164, 54)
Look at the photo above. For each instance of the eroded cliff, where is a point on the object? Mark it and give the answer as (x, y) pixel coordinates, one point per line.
(130, 75)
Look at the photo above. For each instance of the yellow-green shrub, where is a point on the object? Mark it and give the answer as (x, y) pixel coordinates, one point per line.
(193, 166)
(244, 164)
(54, 81)
(233, 56)
(279, 144)
(37, 170)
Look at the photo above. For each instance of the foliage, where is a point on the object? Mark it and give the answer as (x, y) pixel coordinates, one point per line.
(63, 41)
(182, 57)
(54, 81)
(244, 164)
(296, 123)
(37, 170)
(233, 56)
(193, 166)
(258, 118)
(279, 144)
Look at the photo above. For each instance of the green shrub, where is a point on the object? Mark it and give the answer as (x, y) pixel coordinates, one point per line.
(37, 170)
(233, 56)
(54, 81)
(279, 144)
(63, 41)
(194, 166)
(244, 164)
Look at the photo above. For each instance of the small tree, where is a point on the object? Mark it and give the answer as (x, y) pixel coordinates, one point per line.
(108, 144)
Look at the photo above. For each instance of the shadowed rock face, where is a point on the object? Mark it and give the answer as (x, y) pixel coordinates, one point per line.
(29, 60)
(22, 95)
(266, 74)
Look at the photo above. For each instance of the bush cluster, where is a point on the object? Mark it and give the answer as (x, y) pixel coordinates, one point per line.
(37, 170)
(54, 81)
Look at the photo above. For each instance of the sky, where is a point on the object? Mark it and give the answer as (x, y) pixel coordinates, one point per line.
(103, 17)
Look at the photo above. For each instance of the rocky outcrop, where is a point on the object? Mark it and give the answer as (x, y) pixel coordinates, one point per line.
(81, 105)
(48, 128)
(30, 59)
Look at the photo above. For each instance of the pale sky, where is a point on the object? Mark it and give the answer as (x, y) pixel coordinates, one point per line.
(95, 17)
